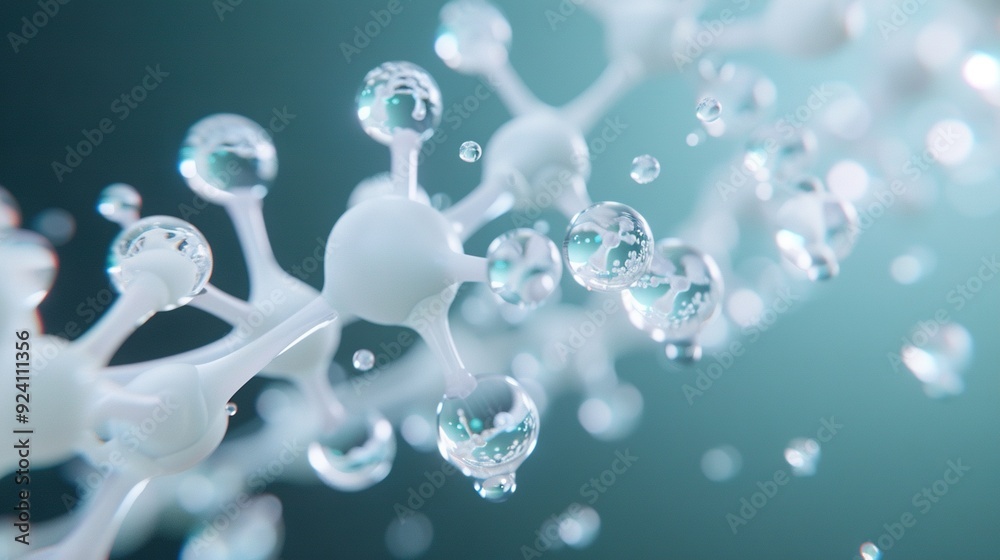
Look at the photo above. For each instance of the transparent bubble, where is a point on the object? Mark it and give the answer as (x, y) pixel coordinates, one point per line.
(418, 432)
(470, 151)
(29, 268)
(608, 247)
(363, 360)
(645, 169)
(357, 455)
(399, 95)
(409, 537)
(257, 533)
(56, 224)
(679, 294)
(474, 36)
(773, 153)
(498, 488)
(803, 456)
(120, 204)
(147, 242)
(611, 415)
(579, 526)
(870, 552)
(231, 409)
(524, 267)
(490, 432)
(10, 213)
(381, 185)
(225, 152)
(818, 231)
(709, 110)
(938, 356)
(721, 463)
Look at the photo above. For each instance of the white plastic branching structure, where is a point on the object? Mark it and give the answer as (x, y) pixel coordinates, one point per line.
(487, 422)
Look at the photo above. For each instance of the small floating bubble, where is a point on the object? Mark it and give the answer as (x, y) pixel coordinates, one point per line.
(721, 463)
(709, 110)
(120, 204)
(231, 409)
(363, 360)
(870, 552)
(645, 169)
(803, 456)
(470, 151)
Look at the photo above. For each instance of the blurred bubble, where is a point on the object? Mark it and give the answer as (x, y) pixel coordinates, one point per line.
(419, 432)
(410, 536)
(848, 179)
(745, 307)
(981, 71)
(912, 266)
(950, 142)
(612, 414)
(721, 463)
(579, 526)
(803, 456)
(938, 355)
(56, 224)
(870, 552)
(255, 534)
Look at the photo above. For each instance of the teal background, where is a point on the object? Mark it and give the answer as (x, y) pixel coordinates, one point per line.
(825, 358)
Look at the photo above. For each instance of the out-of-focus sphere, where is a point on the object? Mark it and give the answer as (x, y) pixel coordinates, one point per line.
(170, 248)
(870, 552)
(645, 169)
(772, 153)
(56, 224)
(721, 463)
(491, 431)
(524, 267)
(818, 231)
(363, 360)
(709, 110)
(579, 526)
(470, 151)
(812, 29)
(938, 357)
(497, 488)
(608, 247)
(398, 96)
(120, 203)
(357, 455)
(474, 37)
(29, 268)
(409, 537)
(10, 213)
(803, 456)
(679, 294)
(224, 152)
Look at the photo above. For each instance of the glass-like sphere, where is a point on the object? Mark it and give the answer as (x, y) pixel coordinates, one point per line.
(680, 293)
(491, 431)
(709, 110)
(645, 169)
(148, 242)
(497, 488)
(470, 151)
(358, 455)
(10, 213)
(224, 152)
(474, 36)
(120, 203)
(524, 267)
(29, 268)
(818, 230)
(608, 247)
(399, 95)
(363, 359)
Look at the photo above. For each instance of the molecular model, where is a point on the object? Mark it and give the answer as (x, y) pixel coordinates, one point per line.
(150, 434)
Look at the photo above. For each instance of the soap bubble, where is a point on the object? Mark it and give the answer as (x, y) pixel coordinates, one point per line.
(226, 152)
(470, 151)
(363, 360)
(399, 95)
(803, 456)
(608, 247)
(524, 267)
(709, 110)
(645, 169)
(939, 358)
